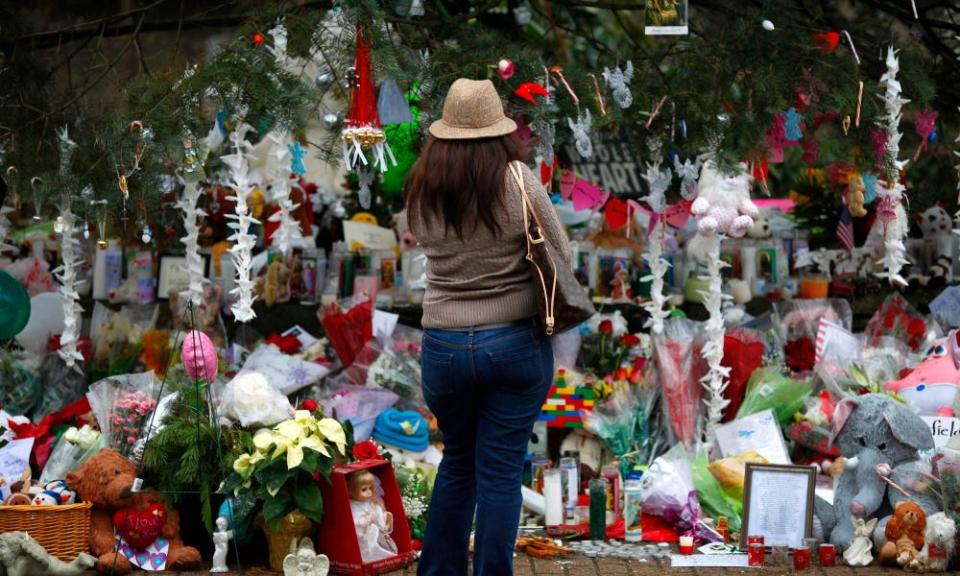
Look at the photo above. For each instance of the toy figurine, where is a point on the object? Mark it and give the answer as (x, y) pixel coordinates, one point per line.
(371, 520)
(932, 387)
(221, 543)
(21, 555)
(304, 561)
(621, 285)
(860, 551)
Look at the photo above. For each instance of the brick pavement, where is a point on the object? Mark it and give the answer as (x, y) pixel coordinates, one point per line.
(582, 566)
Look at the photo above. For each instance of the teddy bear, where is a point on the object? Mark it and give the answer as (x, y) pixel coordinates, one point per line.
(723, 202)
(854, 196)
(904, 533)
(107, 480)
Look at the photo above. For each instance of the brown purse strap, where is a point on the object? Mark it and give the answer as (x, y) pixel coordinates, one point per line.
(551, 292)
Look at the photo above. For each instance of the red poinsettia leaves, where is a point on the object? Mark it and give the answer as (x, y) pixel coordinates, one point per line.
(529, 90)
(827, 42)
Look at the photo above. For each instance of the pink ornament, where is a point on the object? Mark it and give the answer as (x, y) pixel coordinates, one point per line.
(505, 69)
(199, 356)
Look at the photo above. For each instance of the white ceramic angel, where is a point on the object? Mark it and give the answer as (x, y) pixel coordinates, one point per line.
(370, 518)
(303, 560)
(860, 551)
(221, 543)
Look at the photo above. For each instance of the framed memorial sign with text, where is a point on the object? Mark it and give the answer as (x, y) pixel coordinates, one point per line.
(778, 504)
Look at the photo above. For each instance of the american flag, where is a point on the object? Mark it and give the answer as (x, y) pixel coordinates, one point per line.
(845, 229)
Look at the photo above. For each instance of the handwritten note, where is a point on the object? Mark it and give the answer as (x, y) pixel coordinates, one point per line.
(14, 459)
(944, 429)
(758, 432)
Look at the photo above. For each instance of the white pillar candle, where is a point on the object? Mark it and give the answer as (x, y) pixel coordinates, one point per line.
(748, 264)
(553, 497)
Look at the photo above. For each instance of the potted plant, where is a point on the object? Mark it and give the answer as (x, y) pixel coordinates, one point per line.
(280, 470)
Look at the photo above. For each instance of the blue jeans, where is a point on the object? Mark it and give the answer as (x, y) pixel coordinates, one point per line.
(486, 388)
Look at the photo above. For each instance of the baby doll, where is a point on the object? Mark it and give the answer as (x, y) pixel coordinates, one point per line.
(370, 518)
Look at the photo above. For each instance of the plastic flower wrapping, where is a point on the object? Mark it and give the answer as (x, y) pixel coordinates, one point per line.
(74, 448)
(123, 406)
(679, 368)
(898, 318)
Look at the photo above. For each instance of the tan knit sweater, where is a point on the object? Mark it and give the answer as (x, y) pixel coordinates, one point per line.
(482, 279)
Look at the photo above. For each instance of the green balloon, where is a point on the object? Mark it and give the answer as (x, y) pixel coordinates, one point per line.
(14, 306)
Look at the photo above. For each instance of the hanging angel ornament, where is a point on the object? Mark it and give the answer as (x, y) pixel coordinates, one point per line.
(581, 133)
(67, 147)
(689, 172)
(279, 48)
(619, 83)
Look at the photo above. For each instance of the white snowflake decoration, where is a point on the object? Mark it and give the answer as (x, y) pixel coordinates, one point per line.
(619, 83)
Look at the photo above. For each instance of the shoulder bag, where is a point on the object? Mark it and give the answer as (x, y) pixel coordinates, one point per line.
(561, 300)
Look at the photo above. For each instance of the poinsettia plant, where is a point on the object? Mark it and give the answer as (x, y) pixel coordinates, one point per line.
(283, 465)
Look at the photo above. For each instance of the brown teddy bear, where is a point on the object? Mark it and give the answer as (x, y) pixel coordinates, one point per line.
(904, 534)
(107, 479)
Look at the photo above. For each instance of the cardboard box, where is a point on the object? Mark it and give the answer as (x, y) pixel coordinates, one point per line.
(337, 537)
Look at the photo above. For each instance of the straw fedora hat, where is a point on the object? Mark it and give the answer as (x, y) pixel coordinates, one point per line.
(472, 110)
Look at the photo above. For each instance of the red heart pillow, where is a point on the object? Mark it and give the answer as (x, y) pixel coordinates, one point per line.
(140, 528)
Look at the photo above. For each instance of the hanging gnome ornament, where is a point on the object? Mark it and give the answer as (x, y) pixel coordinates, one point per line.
(365, 147)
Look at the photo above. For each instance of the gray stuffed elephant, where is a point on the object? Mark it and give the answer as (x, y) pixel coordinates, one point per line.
(877, 436)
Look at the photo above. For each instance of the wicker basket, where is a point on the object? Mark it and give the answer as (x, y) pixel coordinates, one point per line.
(63, 530)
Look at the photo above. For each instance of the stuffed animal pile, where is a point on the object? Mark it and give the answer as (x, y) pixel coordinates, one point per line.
(27, 492)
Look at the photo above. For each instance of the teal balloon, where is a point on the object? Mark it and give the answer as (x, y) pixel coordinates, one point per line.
(14, 306)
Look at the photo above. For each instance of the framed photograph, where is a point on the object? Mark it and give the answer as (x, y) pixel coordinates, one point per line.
(665, 18)
(172, 274)
(778, 504)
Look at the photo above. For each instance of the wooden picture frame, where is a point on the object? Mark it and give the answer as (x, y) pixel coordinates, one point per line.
(788, 519)
(171, 272)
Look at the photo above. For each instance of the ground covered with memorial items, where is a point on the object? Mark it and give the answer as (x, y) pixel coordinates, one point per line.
(210, 299)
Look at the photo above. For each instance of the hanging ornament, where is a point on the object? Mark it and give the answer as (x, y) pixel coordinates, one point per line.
(826, 42)
(288, 230)
(324, 80)
(258, 39)
(689, 172)
(66, 147)
(506, 68)
(619, 83)
(66, 273)
(365, 195)
(925, 122)
(392, 106)
(362, 134)
(581, 133)
(191, 160)
(869, 187)
(846, 125)
(146, 235)
(402, 138)
(238, 164)
(890, 195)
(768, 26)
(296, 159)
(100, 213)
(528, 91)
(522, 14)
(793, 125)
(416, 9)
(331, 120)
(279, 48)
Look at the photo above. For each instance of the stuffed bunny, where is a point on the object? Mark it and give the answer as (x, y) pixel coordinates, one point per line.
(879, 438)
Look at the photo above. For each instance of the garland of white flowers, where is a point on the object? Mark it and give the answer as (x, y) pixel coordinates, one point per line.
(244, 242)
(890, 196)
(715, 380)
(191, 241)
(66, 273)
(956, 218)
(658, 180)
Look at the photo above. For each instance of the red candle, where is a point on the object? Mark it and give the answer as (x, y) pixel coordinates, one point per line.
(801, 558)
(686, 545)
(755, 554)
(754, 540)
(828, 555)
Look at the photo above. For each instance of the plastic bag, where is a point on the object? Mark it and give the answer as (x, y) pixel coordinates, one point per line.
(668, 490)
(742, 354)
(359, 405)
(122, 405)
(73, 449)
(678, 370)
(715, 499)
(284, 372)
(20, 388)
(769, 389)
(349, 325)
(948, 468)
(61, 385)
(797, 323)
(899, 319)
(250, 400)
(731, 473)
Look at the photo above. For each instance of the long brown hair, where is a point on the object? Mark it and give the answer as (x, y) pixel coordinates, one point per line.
(460, 183)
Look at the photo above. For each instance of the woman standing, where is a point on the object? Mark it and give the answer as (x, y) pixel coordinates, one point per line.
(487, 362)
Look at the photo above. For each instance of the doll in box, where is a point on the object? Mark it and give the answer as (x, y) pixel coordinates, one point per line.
(370, 518)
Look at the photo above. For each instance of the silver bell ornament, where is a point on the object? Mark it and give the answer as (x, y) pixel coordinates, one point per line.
(331, 120)
(325, 79)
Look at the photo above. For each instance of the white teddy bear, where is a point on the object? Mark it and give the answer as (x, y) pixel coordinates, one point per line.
(723, 202)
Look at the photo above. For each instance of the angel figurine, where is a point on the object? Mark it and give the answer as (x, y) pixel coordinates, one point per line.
(303, 560)
(370, 518)
(221, 542)
(860, 551)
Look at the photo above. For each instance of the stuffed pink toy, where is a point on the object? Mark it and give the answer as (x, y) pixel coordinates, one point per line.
(931, 389)
(199, 356)
(723, 203)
